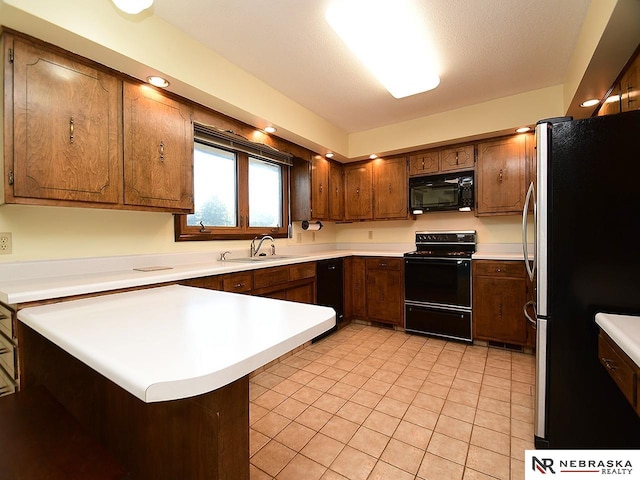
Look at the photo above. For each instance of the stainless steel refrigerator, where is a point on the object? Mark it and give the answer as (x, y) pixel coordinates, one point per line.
(586, 260)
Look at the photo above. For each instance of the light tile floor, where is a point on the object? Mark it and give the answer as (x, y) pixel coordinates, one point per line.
(377, 404)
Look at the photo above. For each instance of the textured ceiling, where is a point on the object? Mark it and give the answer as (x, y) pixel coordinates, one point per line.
(487, 49)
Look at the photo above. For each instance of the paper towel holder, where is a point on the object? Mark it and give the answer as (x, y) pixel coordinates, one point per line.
(306, 225)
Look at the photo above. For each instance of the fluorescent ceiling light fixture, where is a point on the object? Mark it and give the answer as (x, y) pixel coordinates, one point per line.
(158, 81)
(133, 6)
(390, 38)
(590, 103)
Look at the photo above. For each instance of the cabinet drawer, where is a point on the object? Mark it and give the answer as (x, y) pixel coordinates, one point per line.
(7, 384)
(6, 322)
(302, 270)
(620, 369)
(7, 355)
(384, 263)
(499, 268)
(237, 282)
(266, 277)
(212, 283)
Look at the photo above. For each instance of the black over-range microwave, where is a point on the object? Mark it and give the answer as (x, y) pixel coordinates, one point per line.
(449, 191)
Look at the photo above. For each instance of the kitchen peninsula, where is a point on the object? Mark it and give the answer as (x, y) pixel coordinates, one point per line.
(160, 375)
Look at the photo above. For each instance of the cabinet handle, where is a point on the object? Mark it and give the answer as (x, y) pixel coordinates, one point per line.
(321, 188)
(422, 163)
(357, 190)
(498, 270)
(71, 122)
(238, 285)
(500, 176)
(382, 265)
(610, 364)
(161, 149)
(457, 157)
(500, 310)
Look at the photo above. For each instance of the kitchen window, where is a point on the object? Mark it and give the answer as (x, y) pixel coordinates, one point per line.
(241, 189)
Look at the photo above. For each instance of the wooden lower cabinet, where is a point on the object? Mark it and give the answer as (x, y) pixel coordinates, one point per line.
(374, 289)
(622, 369)
(500, 291)
(296, 283)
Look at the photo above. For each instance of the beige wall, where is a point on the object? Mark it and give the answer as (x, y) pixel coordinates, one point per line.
(94, 28)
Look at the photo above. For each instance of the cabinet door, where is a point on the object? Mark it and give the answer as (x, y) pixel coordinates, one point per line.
(320, 188)
(631, 87)
(66, 119)
(302, 293)
(384, 291)
(390, 188)
(502, 176)
(457, 158)
(158, 150)
(336, 185)
(499, 295)
(424, 163)
(356, 287)
(358, 191)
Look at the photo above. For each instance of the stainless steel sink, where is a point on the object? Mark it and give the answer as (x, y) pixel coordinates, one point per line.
(261, 258)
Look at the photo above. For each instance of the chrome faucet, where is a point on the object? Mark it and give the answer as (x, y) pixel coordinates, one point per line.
(255, 250)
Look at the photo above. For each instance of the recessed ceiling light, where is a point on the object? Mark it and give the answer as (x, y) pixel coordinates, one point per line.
(158, 81)
(133, 6)
(590, 103)
(328, 155)
(391, 40)
(270, 129)
(523, 129)
(373, 156)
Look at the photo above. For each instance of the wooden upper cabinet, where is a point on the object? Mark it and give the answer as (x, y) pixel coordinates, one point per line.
(336, 194)
(158, 150)
(320, 187)
(390, 188)
(424, 163)
(66, 124)
(358, 198)
(630, 86)
(457, 158)
(502, 175)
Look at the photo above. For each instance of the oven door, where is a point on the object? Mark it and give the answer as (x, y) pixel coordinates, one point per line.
(440, 281)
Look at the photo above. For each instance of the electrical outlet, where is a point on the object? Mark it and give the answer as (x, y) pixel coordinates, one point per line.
(5, 243)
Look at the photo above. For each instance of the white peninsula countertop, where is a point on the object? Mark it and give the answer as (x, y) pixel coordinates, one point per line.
(173, 342)
(624, 330)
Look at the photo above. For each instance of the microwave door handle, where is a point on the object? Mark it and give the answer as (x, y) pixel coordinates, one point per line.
(525, 247)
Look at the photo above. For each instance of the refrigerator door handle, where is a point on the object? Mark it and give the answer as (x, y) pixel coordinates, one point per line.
(525, 247)
(530, 303)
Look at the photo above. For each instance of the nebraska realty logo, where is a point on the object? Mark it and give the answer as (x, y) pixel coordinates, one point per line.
(582, 464)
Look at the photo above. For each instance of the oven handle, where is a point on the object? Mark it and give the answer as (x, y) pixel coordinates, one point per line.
(437, 260)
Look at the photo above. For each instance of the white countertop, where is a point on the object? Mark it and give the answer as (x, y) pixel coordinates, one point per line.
(501, 251)
(174, 342)
(33, 281)
(624, 330)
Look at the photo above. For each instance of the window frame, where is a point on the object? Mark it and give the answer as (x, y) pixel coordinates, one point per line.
(242, 230)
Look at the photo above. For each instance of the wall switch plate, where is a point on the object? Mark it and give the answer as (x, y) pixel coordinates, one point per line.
(5, 243)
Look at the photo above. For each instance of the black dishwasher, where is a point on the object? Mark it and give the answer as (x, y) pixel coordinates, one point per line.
(329, 289)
